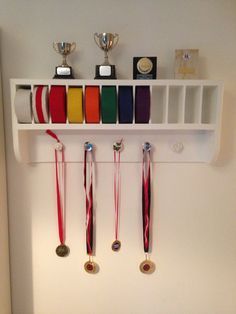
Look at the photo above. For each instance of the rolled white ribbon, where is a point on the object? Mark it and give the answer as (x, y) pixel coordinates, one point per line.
(23, 105)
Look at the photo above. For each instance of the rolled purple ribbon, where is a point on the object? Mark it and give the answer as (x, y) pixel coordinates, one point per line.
(142, 104)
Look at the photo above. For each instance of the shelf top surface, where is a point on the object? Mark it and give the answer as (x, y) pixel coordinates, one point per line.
(77, 82)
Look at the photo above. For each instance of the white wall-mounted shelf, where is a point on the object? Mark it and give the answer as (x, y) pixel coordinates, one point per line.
(184, 113)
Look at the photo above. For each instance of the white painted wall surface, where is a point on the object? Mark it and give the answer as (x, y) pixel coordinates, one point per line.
(5, 300)
(194, 227)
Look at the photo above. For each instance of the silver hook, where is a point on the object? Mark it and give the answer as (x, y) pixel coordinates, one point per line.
(118, 146)
(147, 147)
(88, 146)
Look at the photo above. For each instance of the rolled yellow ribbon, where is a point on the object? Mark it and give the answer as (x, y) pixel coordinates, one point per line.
(75, 104)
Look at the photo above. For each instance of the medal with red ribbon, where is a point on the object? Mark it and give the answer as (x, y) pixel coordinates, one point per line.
(62, 250)
(90, 266)
(117, 147)
(147, 266)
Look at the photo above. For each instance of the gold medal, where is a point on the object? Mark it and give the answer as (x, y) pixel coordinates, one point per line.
(62, 250)
(116, 245)
(145, 65)
(147, 266)
(91, 267)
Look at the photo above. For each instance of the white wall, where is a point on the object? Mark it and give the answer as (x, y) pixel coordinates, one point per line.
(194, 230)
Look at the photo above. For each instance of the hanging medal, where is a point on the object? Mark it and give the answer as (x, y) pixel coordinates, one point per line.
(117, 147)
(62, 249)
(147, 266)
(90, 266)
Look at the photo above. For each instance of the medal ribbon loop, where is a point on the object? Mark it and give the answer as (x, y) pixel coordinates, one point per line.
(146, 198)
(116, 190)
(60, 185)
(88, 187)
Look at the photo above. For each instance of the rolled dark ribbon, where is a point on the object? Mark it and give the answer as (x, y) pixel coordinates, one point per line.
(125, 104)
(142, 104)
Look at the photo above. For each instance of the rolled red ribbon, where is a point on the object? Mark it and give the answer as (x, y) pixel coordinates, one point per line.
(57, 104)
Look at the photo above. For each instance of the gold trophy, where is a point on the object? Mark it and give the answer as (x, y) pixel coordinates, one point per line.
(106, 41)
(64, 71)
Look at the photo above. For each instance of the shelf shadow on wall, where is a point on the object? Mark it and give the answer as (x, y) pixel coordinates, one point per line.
(19, 211)
(20, 221)
(228, 124)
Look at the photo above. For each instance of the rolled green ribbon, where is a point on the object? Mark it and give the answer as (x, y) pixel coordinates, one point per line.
(109, 104)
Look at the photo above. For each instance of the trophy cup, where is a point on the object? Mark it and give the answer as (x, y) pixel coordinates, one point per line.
(64, 71)
(106, 41)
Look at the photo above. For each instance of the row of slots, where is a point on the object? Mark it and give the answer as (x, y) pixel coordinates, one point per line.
(177, 104)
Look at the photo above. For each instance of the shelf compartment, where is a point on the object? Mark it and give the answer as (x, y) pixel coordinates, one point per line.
(209, 104)
(176, 104)
(158, 104)
(192, 104)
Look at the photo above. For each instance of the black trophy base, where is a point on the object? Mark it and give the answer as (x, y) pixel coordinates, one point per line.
(105, 72)
(63, 73)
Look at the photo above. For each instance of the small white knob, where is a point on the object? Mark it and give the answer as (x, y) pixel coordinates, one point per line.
(178, 147)
(59, 146)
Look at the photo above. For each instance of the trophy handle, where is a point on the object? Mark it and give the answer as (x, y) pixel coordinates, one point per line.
(116, 37)
(73, 46)
(96, 37)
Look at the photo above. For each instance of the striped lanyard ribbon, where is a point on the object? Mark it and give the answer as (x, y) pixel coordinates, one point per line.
(60, 184)
(146, 198)
(88, 187)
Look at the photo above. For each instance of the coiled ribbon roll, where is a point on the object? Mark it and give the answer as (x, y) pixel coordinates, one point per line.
(75, 105)
(57, 104)
(40, 104)
(92, 104)
(23, 105)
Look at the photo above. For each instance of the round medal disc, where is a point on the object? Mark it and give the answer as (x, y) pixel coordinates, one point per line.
(144, 65)
(147, 267)
(62, 250)
(90, 267)
(116, 245)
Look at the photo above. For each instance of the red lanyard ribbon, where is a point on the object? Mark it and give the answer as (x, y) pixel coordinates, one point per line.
(88, 187)
(116, 190)
(146, 198)
(60, 185)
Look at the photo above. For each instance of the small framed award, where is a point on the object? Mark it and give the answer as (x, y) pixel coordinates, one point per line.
(186, 64)
(144, 68)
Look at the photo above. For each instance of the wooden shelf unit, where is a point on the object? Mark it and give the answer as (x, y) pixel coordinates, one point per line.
(184, 113)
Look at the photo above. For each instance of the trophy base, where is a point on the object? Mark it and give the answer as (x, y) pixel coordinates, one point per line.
(63, 73)
(104, 72)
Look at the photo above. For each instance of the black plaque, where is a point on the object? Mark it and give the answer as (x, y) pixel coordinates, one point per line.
(144, 68)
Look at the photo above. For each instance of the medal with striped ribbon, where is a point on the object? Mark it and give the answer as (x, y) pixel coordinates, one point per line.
(62, 250)
(147, 266)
